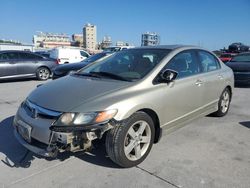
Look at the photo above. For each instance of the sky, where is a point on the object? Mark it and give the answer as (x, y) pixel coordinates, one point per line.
(212, 24)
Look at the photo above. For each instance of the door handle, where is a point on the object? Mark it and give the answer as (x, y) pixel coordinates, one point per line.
(198, 82)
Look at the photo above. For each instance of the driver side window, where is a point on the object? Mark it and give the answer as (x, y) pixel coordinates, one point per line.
(184, 63)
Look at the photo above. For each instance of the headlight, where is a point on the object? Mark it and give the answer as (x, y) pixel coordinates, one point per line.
(85, 118)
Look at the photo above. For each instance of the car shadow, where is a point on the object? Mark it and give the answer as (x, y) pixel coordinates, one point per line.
(17, 80)
(16, 156)
(242, 86)
(245, 124)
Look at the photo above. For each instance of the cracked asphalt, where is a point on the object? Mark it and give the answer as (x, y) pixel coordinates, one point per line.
(209, 152)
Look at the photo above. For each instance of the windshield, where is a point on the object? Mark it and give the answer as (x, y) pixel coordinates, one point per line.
(127, 65)
(95, 57)
(241, 58)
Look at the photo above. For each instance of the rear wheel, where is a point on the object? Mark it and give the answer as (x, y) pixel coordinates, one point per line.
(128, 144)
(224, 103)
(42, 73)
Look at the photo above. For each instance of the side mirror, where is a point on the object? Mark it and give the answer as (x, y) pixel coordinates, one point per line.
(168, 76)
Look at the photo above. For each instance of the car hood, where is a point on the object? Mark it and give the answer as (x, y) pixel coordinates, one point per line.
(239, 66)
(64, 94)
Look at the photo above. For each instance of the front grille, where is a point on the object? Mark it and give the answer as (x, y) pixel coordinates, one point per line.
(36, 111)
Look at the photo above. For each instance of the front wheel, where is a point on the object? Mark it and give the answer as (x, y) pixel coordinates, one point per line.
(129, 144)
(42, 73)
(223, 104)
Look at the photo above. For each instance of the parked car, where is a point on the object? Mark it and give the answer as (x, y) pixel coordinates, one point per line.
(240, 64)
(130, 97)
(225, 57)
(68, 55)
(63, 70)
(23, 64)
(117, 48)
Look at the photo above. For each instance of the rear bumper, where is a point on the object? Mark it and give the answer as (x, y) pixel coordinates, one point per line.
(242, 77)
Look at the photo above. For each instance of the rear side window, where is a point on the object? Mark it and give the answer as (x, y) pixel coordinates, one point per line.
(208, 61)
(4, 56)
(9, 56)
(29, 56)
(185, 63)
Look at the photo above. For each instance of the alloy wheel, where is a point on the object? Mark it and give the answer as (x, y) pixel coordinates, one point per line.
(137, 140)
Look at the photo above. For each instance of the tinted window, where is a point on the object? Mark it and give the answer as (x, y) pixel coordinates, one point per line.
(208, 61)
(84, 54)
(29, 56)
(4, 56)
(185, 64)
(242, 57)
(9, 56)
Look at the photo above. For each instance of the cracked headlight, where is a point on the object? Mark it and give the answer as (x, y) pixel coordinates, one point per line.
(85, 118)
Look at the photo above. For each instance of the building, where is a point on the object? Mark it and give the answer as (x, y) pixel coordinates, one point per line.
(121, 43)
(50, 40)
(106, 42)
(89, 37)
(21, 47)
(150, 39)
(77, 40)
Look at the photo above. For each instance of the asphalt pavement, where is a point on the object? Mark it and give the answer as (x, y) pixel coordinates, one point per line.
(209, 152)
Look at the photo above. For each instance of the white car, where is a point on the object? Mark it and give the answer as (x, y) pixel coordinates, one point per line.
(117, 48)
(68, 55)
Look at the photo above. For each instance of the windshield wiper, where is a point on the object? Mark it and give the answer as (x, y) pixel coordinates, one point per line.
(110, 75)
(86, 74)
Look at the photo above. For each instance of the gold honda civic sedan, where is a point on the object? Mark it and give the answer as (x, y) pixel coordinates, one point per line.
(128, 99)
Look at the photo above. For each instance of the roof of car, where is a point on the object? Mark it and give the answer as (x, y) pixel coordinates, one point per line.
(3, 51)
(169, 47)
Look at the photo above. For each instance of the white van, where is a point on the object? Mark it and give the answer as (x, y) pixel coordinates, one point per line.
(68, 55)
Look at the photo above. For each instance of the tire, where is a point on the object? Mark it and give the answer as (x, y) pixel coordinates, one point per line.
(129, 143)
(224, 103)
(43, 73)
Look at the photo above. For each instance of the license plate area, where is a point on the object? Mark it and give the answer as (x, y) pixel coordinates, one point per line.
(24, 130)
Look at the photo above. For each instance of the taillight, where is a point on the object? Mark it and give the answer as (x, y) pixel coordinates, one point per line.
(58, 61)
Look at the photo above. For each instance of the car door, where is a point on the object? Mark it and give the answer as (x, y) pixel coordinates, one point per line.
(8, 66)
(28, 63)
(183, 97)
(212, 78)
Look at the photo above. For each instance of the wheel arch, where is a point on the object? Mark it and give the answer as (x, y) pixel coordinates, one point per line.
(155, 118)
(44, 66)
(231, 90)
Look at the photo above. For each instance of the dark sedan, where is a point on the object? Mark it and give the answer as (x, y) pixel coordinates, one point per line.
(21, 64)
(240, 64)
(63, 70)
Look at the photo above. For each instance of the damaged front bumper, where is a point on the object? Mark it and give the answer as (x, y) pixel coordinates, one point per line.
(45, 152)
(63, 139)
